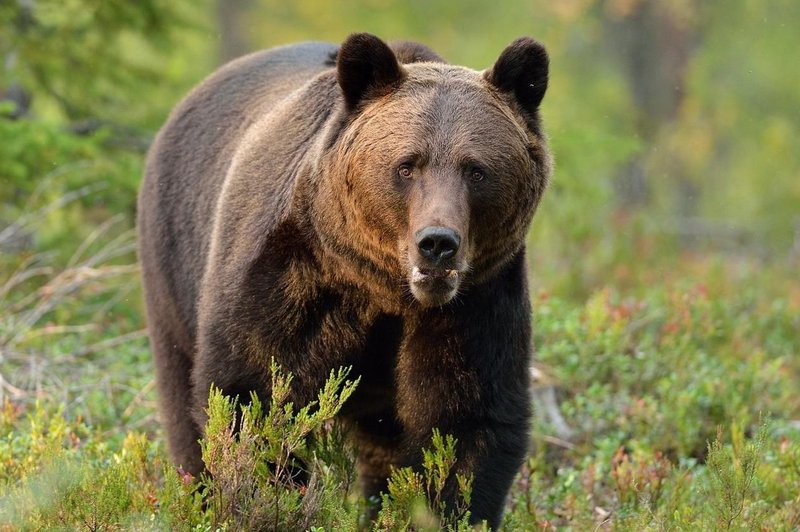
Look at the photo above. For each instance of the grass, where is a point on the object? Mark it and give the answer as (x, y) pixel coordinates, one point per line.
(663, 404)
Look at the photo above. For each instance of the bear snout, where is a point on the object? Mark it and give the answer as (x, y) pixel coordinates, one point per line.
(436, 266)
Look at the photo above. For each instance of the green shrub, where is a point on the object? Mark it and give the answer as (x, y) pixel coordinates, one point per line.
(414, 500)
(266, 474)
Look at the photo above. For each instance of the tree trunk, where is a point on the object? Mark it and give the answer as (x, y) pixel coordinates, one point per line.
(654, 45)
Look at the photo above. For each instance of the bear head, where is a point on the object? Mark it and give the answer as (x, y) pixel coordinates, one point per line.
(432, 172)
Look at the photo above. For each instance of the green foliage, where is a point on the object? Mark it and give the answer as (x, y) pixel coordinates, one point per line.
(41, 163)
(82, 68)
(643, 382)
(643, 490)
(83, 59)
(414, 496)
(63, 474)
(438, 464)
(653, 367)
(732, 477)
(263, 472)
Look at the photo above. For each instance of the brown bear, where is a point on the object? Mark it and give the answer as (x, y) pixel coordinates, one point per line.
(362, 206)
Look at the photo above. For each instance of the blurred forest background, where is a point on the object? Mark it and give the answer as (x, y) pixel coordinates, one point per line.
(664, 257)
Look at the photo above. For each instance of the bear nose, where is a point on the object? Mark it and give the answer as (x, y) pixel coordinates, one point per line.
(437, 243)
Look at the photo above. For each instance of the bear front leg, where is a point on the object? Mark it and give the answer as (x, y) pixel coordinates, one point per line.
(237, 341)
(221, 364)
(236, 358)
(379, 440)
(464, 369)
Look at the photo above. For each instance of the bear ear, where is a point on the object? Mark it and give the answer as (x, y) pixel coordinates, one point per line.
(522, 70)
(365, 67)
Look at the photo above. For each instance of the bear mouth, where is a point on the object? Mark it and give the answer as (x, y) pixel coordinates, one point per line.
(421, 275)
(434, 287)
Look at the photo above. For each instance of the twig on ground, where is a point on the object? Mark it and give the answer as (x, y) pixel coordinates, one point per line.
(138, 399)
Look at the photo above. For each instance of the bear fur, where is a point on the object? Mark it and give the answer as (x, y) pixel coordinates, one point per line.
(363, 206)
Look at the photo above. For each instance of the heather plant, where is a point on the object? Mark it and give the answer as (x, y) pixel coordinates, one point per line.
(414, 496)
(732, 476)
(262, 469)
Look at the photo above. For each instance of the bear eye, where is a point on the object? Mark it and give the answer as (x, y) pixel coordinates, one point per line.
(476, 175)
(406, 171)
